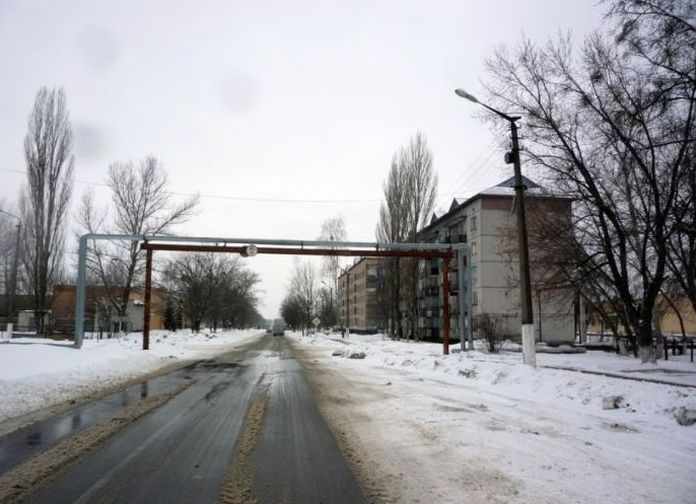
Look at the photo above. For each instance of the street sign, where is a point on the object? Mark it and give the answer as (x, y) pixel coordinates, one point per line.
(316, 321)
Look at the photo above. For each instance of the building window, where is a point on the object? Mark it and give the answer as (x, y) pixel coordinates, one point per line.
(474, 253)
(473, 223)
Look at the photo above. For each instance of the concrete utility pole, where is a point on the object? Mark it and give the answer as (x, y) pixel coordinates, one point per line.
(513, 157)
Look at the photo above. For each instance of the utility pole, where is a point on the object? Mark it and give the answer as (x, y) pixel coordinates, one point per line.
(528, 338)
(513, 157)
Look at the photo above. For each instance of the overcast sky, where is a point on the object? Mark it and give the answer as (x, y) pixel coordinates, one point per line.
(267, 99)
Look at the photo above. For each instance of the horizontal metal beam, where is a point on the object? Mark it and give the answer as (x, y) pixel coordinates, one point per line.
(283, 243)
(171, 247)
(268, 246)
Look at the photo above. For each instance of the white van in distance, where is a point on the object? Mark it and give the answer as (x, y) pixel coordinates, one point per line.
(278, 328)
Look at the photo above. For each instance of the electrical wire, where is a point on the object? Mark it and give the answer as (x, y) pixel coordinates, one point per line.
(463, 173)
(472, 175)
(232, 198)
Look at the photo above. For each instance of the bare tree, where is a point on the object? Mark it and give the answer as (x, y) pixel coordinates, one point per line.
(421, 193)
(234, 301)
(613, 131)
(333, 229)
(9, 260)
(421, 183)
(193, 279)
(291, 311)
(681, 260)
(141, 205)
(393, 228)
(45, 199)
(216, 289)
(326, 307)
(409, 192)
(300, 300)
(663, 34)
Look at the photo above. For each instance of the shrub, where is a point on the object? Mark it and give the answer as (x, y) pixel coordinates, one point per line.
(487, 328)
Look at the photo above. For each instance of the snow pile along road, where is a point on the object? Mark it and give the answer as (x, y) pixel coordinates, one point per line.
(36, 372)
(504, 373)
(475, 427)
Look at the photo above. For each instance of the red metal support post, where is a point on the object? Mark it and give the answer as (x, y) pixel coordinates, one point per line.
(148, 292)
(445, 306)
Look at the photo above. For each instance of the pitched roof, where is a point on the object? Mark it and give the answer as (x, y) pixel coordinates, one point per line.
(504, 188)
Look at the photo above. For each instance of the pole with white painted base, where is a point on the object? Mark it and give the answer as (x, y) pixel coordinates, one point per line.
(513, 157)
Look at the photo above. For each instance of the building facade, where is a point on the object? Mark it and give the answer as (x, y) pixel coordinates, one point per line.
(102, 316)
(673, 317)
(360, 304)
(485, 222)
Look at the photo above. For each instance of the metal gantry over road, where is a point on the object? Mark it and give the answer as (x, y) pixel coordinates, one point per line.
(460, 252)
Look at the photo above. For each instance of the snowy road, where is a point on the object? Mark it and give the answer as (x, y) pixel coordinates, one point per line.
(246, 430)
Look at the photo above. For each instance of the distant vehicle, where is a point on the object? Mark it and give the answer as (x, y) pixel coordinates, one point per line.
(269, 330)
(278, 327)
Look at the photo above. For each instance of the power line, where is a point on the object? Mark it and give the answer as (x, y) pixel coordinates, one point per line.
(472, 175)
(232, 198)
(472, 163)
(476, 172)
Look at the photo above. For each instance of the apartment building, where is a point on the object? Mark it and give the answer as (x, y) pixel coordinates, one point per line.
(485, 222)
(359, 296)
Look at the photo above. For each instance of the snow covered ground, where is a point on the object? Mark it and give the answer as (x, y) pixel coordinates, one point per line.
(35, 372)
(473, 427)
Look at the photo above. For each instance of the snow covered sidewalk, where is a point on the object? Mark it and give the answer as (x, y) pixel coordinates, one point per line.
(36, 372)
(473, 427)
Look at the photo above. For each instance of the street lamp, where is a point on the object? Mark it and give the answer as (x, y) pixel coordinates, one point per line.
(13, 277)
(513, 157)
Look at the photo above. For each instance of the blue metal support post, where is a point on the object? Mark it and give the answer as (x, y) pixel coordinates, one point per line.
(80, 291)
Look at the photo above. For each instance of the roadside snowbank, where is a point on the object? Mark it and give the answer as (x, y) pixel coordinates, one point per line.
(474, 427)
(505, 373)
(35, 372)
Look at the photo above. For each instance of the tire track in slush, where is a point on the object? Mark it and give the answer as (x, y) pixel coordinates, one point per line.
(237, 486)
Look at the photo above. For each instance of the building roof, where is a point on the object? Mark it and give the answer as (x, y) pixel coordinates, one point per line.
(506, 188)
(350, 268)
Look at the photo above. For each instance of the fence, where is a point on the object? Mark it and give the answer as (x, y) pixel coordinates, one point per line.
(55, 329)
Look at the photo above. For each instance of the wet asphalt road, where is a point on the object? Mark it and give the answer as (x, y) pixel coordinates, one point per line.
(182, 451)
(296, 458)
(24, 443)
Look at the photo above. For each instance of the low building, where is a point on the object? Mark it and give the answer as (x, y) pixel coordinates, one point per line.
(485, 222)
(101, 316)
(672, 317)
(360, 304)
